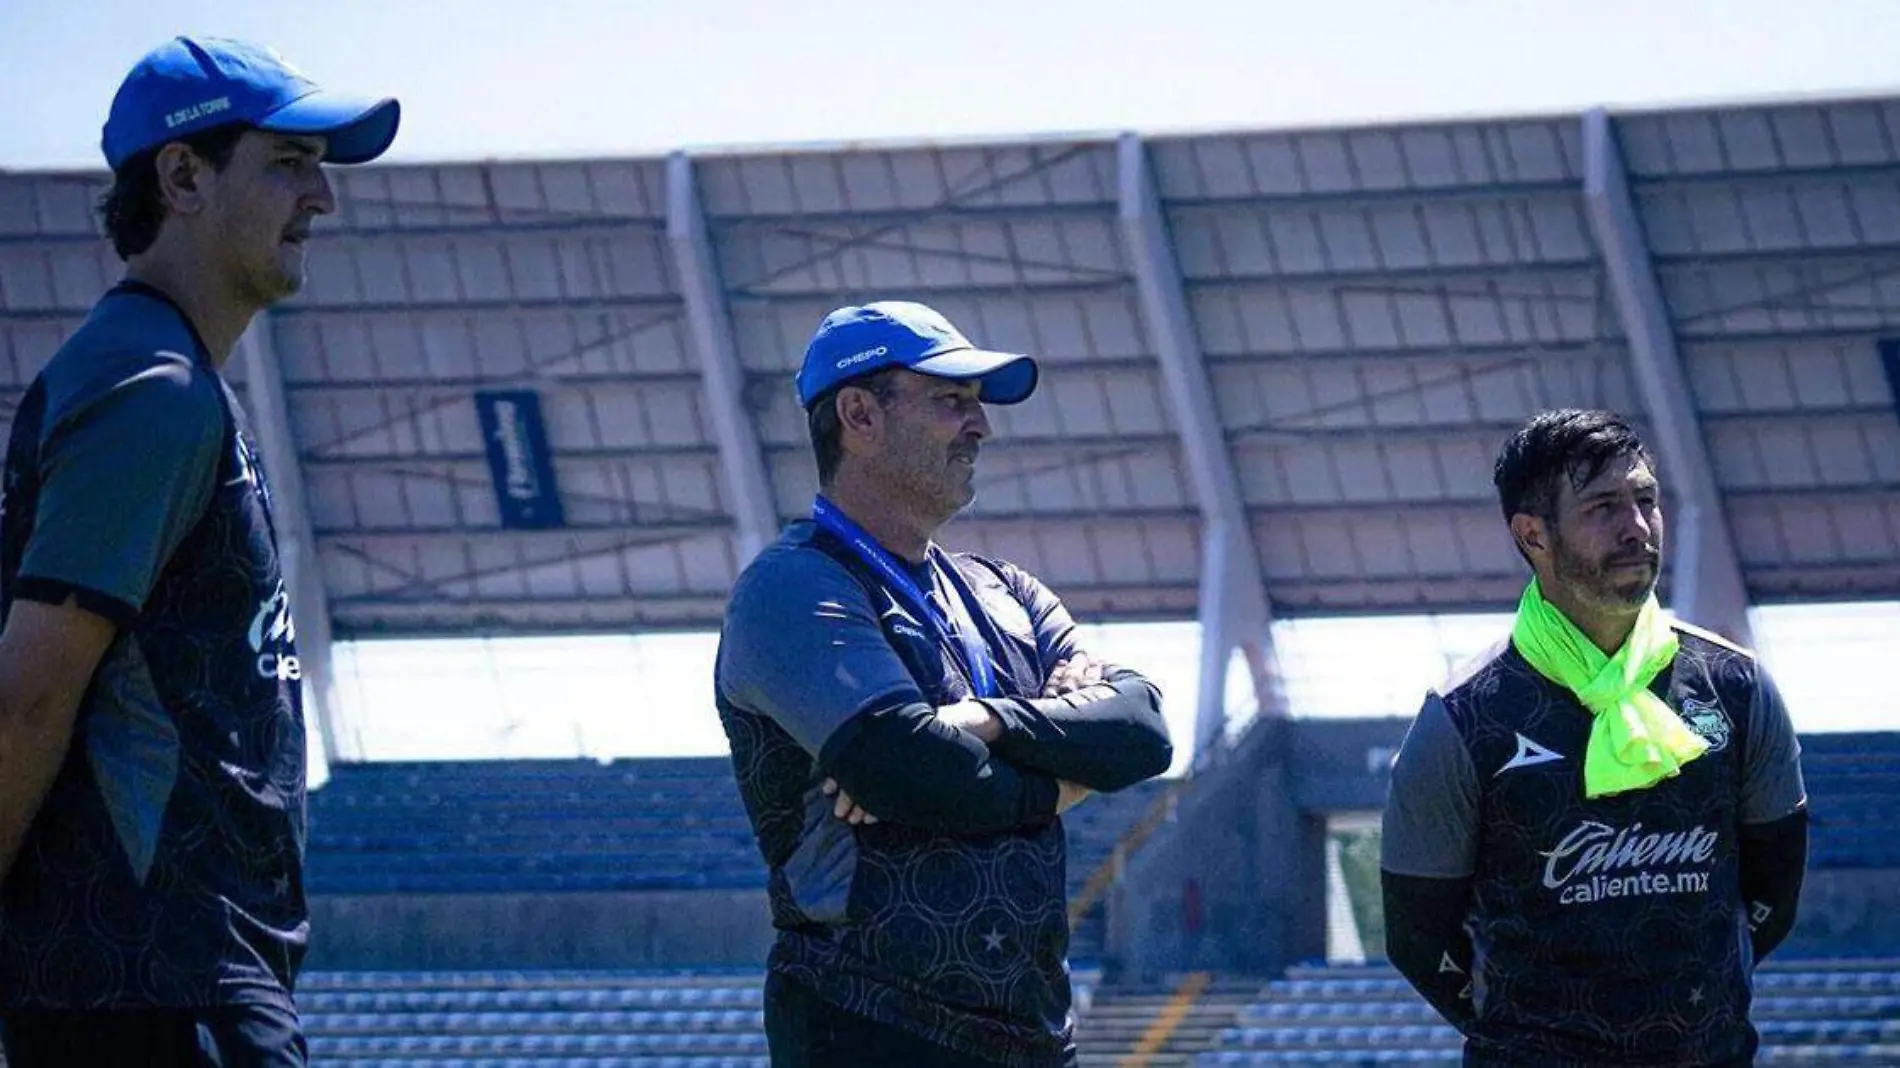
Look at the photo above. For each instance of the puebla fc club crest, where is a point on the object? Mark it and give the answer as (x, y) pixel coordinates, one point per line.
(1709, 721)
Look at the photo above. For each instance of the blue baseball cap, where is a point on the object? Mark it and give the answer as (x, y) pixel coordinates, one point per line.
(854, 342)
(191, 84)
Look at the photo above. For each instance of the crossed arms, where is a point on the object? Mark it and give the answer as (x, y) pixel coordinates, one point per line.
(802, 645)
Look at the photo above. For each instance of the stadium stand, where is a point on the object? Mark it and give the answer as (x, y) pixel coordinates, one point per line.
(445, 827)
(556, 825)
(1371, 308)
(1833, 1012)
(552, 826)
(529, 826)
(705, 1018)
(1854, 793)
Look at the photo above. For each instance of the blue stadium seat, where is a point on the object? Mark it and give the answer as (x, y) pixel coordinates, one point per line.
(549, 826)
(1833, 1012)
(1838, 1013)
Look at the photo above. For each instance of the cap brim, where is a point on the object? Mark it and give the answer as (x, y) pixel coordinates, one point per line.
(358, 128)
(1006, 377)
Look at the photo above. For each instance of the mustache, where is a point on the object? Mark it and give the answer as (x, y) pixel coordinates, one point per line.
(966, 451)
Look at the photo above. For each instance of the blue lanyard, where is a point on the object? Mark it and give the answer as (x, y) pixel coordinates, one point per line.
(975, 652)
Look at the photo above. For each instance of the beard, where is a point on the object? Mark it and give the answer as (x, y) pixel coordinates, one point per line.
(282, 277)
(257, 277)
(265, 282)
(1602, 580)
(932, 486)
(943, 491)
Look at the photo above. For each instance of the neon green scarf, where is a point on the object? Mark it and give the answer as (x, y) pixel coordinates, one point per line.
(1636, 741)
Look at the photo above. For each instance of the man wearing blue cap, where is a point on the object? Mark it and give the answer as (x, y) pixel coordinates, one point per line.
(907, 725)
(151, 727)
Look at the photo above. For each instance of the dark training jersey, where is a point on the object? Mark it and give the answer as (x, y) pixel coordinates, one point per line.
(960, 939)
(165, 868)
(1608, 931)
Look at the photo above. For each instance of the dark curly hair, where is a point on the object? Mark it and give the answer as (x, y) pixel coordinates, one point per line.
(133, 210)
(1569, 443)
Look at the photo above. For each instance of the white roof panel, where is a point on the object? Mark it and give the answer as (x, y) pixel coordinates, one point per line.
(1378, 307)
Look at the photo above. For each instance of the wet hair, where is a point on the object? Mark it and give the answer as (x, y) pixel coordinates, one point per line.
(134, 209)
(827, 433)
(1571, 444)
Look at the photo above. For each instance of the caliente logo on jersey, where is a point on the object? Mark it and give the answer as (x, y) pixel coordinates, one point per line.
(1596, 862)
(272, 633)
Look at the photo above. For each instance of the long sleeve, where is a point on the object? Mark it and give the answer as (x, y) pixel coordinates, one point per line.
(905, 765)
(1774, 860)
(1426, 939)
(1429, 848)
(1774, 819)
(1105, 737)
(802, 646)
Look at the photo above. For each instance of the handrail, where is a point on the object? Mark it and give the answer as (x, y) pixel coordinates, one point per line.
(1155, 1038)
(1159, 812)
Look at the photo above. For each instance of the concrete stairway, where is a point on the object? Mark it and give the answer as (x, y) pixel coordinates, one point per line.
(1161, 1026)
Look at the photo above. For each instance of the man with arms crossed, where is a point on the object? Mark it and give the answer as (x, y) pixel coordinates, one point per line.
(1596, 830)
(907, 725)
(151, 730)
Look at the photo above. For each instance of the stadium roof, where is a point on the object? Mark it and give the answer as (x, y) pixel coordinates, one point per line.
(1367, 312)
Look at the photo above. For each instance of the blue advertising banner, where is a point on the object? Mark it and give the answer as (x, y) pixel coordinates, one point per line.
(1890, 359)
(518, 458)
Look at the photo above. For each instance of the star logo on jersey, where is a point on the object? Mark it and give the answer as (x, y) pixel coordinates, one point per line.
(903, 622)
(1708, 720)
(1758, 913)
(1445, 965)
(1529, 754)
(246, 466)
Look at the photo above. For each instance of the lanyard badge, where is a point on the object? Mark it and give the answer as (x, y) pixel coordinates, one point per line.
(969, 648)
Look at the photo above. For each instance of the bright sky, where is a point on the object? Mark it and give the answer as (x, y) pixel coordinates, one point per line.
(651, 695)
(504, 78)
